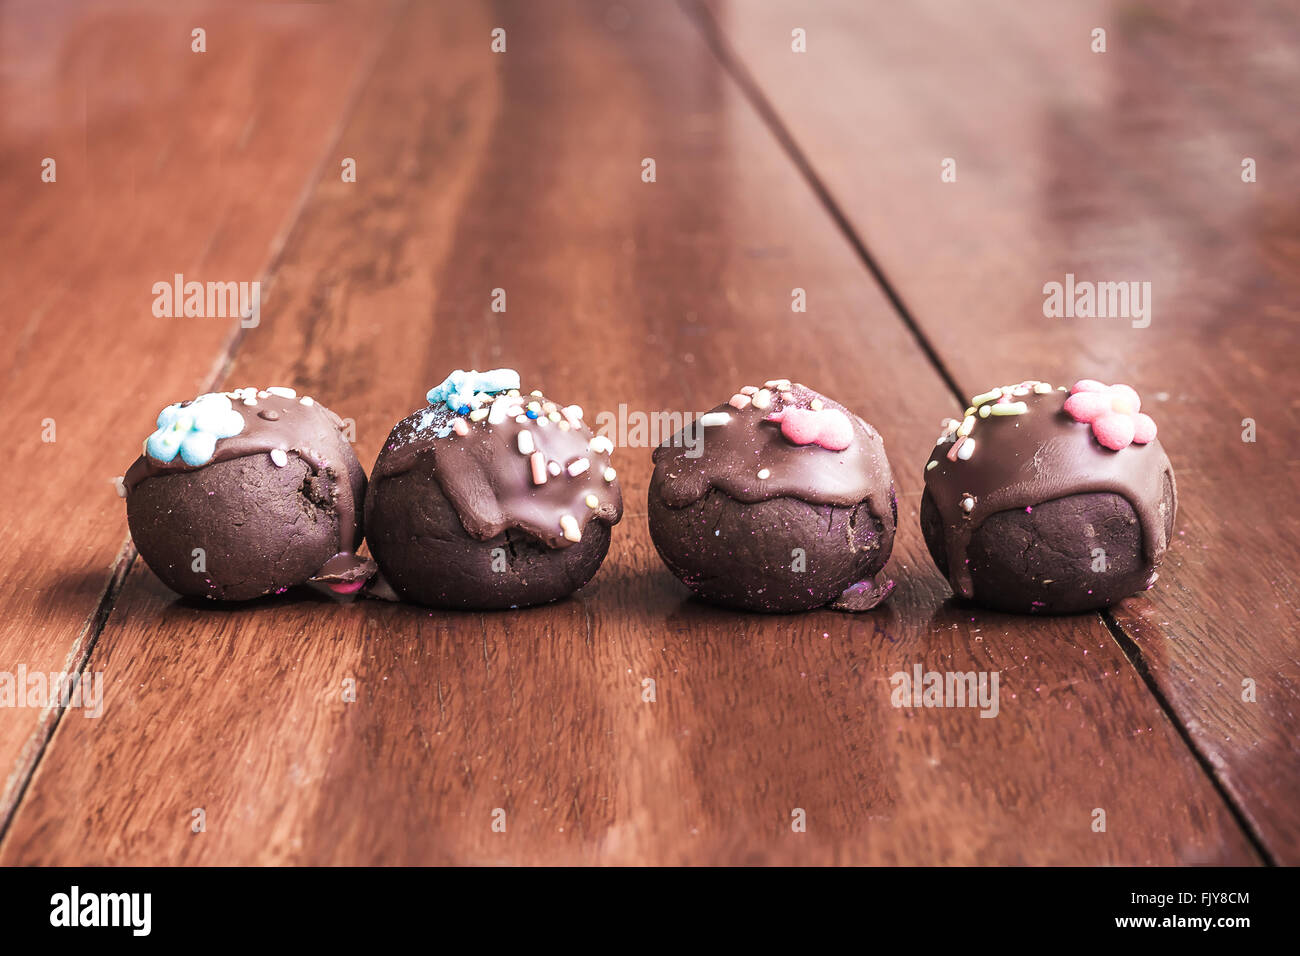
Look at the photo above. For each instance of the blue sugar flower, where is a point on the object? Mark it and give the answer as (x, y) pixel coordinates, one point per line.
(192, 429)
(460, 391)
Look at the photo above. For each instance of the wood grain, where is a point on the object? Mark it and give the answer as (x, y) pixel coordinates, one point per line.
(167, 161)
(1119, 166)
(522, 171)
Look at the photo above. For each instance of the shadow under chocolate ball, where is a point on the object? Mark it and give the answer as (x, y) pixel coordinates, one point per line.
(1078, 553)
(426, 555)
(258, 528)
(780, 555)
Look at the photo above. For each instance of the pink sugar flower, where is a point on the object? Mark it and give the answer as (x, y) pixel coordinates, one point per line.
(826, 427)
(1113, 411)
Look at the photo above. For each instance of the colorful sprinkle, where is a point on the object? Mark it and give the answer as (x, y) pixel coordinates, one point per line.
(610, 474)
(281, 392)
(459, 426)
(279, 457)
(739, 402)
(592, 502)
(578, 466)
(570, 526)
(762, 399)
(764, 474)
(538, 462)
(601, 445)
(710, 419)
(554, 468)
(526, 445)
(1009, 408)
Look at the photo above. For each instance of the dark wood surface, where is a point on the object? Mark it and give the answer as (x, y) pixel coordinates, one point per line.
(522, 171)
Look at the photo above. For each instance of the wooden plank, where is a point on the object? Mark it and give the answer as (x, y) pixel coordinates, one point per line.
(166, 161)
(522, 172)
(1116, 166)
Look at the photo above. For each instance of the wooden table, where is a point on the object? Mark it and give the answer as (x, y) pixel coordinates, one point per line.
(225, 736)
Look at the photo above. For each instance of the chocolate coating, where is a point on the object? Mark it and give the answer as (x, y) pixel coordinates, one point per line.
(459, 521)
(262, 527)
(1058, 523)
(428, 557)
(814, 530)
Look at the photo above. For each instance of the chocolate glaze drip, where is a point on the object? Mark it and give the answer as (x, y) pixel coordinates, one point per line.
(490, 482)
(313, 433)
(733, 454)
(1021, 461)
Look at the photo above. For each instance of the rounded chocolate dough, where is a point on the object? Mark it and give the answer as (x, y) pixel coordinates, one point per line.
(262, 528)
(1042, 560)
(427, 556)
(743, 555)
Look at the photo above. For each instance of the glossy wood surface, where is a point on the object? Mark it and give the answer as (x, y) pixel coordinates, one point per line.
(522, 171)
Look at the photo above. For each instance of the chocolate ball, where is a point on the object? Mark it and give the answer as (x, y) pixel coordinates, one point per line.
(778, 500)
(245, 493)
(490, 498)
(1047, 500)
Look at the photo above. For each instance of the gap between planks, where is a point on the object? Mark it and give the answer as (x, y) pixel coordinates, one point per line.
(730, 61)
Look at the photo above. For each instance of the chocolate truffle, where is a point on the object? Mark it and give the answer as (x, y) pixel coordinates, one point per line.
(780, 499)
(248, 492)
(1048, 500)
(490, 498)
